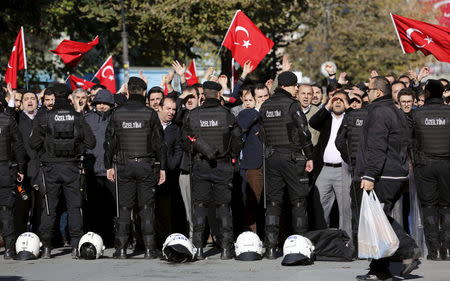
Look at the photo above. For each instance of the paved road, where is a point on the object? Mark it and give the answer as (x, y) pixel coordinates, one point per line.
(63, 268)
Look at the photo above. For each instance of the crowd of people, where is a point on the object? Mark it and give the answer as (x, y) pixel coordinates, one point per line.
(210, 162)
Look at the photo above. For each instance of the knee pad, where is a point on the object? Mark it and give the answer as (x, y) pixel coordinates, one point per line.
(223, 214)
(123, 223)
(200, 213)
(147, 215)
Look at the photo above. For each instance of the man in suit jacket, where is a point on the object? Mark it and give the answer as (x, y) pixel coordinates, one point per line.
(333, 177)
(168, 197)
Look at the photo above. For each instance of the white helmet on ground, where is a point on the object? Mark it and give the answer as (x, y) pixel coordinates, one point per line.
(177, 248)
(27, 246)
(298, 250)
(91, 246)
(248, 247)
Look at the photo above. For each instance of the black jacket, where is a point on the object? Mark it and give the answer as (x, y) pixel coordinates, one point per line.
(32, 159)
(382, 152)
(40, 133)
(172, 138)
(321, 121)
(94, 159)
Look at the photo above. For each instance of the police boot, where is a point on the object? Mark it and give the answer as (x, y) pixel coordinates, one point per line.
(120, 244)
(226, 252)
(431, 229)
(150, 248)
(445, 226)
(223, 215)
(9, 249)
(75, 255)
(46, 252)
(272, 227)
(200, 211)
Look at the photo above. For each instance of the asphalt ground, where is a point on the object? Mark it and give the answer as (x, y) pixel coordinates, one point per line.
(62, 268)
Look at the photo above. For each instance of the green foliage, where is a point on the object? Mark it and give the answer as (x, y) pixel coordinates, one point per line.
(358, 35)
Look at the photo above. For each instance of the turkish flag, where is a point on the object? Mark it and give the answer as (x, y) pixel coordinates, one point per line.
(421, 36)
(17, 60)
(105, 75)
(76, 82)
(246, 41)
(71, 52)
(191, 74)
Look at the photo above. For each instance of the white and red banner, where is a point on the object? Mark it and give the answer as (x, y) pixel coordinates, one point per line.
(17, 60)
(191, 74)
(76, 82)
(105, 75)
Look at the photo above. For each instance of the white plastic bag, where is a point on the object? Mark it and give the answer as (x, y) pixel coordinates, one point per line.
(376, 238)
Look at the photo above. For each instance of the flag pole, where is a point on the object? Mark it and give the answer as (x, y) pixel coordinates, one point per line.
(232, 74)
(398, 35)
(24, 58)
(221, 45)
(100, 68)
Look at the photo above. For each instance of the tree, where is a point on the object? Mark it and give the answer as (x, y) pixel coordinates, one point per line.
(358, 35)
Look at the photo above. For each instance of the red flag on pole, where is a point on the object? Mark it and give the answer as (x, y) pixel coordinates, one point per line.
(191, 74)
(76, 82)
(71, 52)
(246, 41)
(17, 60)
(105, 75)
(421, 36)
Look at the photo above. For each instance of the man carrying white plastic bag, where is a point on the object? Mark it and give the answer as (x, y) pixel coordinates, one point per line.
(376, 238)
(381, 165)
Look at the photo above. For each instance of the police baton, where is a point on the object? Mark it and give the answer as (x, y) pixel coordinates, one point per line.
(117, 189)
(45, 191)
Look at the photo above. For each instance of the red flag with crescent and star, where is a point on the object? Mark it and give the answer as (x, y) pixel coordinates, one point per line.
(76, 82)
(191, 74)
(105, 75)
(421, 36)
(17, 60)
(246, 41)
(71, 52)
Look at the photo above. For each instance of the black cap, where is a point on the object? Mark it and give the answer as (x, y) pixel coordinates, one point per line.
(362, 86)
(103, 96)
(434, 88)
(287, 79)
(137, 82)
(61, 90)
(212, 86)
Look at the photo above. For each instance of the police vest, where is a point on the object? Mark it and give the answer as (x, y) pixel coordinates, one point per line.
(5, 137)
(211, 124)
(279, 128)
(432, 130)
(355, 122)
(133, 131)
(62, 134)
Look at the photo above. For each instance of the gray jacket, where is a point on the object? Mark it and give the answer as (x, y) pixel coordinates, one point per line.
(94, 159)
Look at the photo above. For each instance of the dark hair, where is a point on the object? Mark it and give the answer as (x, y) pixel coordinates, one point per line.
(193, 88)
(382, 84)
(404, 76)
(135, 89)
(398, 82)
(259, 86)
(49, 91)
(406, 92)
(28, 92)
(333, 87)
(421, 93)
(246, 87)
(342, 92)
(161, 102)
(156, 89)
(444, 80)
(317, 86)
(188, 97)
(98, 86)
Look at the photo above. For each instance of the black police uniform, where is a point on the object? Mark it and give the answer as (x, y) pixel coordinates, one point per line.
(347, 142)
(134, 140)
(11, 149)
(217, 141)
(431, 129)
(60, 137)
(287, 148)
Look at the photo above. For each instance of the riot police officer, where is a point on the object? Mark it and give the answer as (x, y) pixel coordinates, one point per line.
(60, 137)
(288, 153)
(134, 141)
(11, 149)
(431, 129)
(211, 134)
